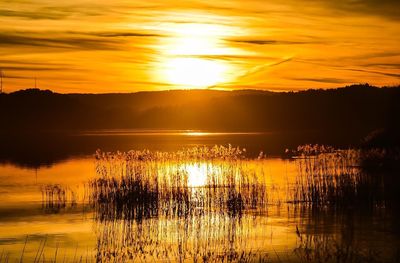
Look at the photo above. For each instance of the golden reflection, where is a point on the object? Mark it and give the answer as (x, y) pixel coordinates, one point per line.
(209, 214)
(197, 175)
(199, 133)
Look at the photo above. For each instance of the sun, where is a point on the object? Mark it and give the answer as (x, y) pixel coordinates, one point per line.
(194, 72)
(191, 56)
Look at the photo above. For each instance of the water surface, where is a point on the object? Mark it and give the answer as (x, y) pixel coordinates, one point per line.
(31, 228)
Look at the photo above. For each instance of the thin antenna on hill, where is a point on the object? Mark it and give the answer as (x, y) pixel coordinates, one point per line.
(35, 83)
(1, 81)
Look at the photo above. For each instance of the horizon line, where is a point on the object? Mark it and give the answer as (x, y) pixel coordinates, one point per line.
(207, 90)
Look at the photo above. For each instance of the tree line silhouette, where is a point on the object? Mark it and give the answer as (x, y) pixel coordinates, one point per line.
(354, 109)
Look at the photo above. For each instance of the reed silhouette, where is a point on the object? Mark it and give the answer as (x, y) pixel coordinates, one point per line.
(148, 206)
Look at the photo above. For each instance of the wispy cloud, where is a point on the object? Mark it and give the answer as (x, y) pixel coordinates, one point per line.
(33, 11)
(383, 65)
(323, 80)
(41, 68)
(120, 34)
(273, 42)
(248, 77)
(71, 39)
(54, 41)
(32, 14)
(395, 75)
(385, 8)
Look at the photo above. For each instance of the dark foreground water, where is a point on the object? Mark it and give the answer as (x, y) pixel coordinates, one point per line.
(34, 229)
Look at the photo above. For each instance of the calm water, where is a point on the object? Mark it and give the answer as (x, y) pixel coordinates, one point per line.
(31, 229)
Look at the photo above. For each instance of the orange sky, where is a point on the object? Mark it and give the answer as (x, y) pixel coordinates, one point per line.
(125, 46)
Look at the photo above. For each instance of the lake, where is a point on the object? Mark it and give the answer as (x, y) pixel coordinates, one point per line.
(47, 212)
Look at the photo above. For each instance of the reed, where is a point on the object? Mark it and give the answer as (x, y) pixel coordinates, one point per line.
(190, 205)
(204, 238)
(56, 197)
(153, 183)
(335, 178)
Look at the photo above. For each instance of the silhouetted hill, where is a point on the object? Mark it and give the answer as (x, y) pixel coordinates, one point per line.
(357, 109)
(40, 127)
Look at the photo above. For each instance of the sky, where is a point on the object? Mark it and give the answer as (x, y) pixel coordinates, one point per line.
(101, 46)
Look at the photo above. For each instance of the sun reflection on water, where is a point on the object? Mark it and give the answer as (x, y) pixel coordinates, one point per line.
(197, 175)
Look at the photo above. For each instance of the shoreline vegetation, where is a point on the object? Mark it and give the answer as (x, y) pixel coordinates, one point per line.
(132, 190)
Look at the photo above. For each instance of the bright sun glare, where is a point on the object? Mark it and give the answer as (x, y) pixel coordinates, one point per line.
(194, 72)
(189, 56)
(197, 175)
